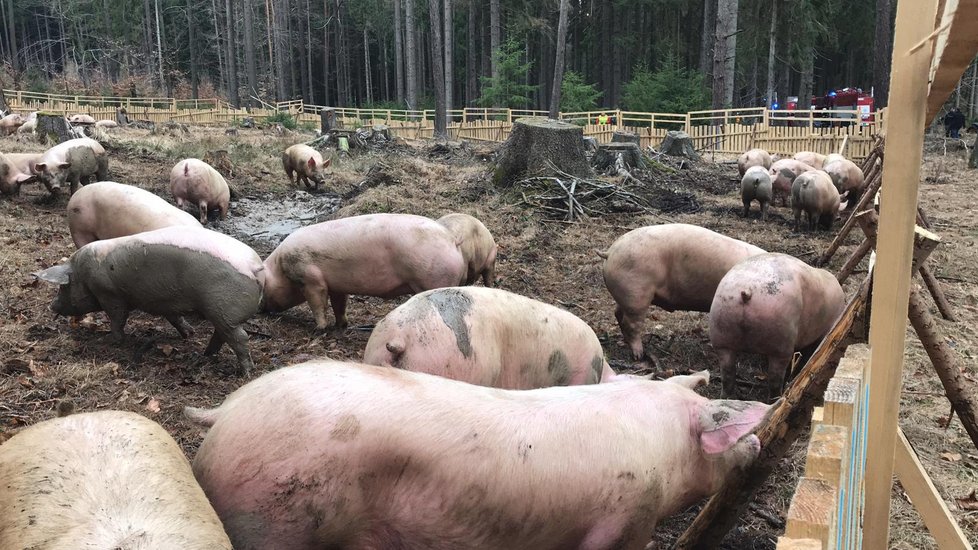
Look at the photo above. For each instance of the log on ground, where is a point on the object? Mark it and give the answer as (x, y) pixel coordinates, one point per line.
(539, 147)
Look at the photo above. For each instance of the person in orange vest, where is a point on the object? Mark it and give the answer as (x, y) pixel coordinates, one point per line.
(603, 118)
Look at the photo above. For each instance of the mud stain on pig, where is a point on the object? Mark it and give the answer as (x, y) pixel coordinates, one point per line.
(346, 429)
(597, 366)
(453, 305)
(559, 368)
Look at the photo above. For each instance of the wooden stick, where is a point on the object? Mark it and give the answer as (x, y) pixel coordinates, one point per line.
(870, 192)
(777, 433)
(853, 262)
(934, 287)
(959, 390)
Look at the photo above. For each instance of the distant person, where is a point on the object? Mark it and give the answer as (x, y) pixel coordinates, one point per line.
(603, 118)
(953, 122)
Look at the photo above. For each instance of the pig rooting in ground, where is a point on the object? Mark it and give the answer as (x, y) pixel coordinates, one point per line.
(476, 244)
(756, 186)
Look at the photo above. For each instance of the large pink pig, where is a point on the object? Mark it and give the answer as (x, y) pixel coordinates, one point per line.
(814, 194)
(329, 455)
(72, 161)
(196, 182)
(81, 119)
(303, 163)
(478, 247)
(488, 337)
(674, 266)
(11, 177)
(10, 123)
(773, 305)
(105, 210)
(846, 175)
(815, 160)
(383, 255)
(107, 479)
(783, 174)
(754, 157)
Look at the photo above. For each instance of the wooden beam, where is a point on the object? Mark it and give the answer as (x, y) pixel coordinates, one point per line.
(928, 502)
(788, 543)
(891, 285)
(811, 511)
(824, 459)
(954, 49)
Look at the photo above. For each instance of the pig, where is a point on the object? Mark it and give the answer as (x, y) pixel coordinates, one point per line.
(846, 176)
(107, 479)
(814, 194)
(106, 124)
(81, 119)
(196, 182)
(488, 337)
(832, 157)
(478, 247)
(167, 272)
(756, 185)
(783, 174)
(11, 177)
(10, 123)
(72, 161)
(308, 457)
(815, 160)
(773, 305)
(29, 125)
(385, 255)
(754, 157)
(674, 266)
(105, 210)
(303, 163)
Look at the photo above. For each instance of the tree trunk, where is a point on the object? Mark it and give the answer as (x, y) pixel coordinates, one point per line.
(148, 36)
(270, 25)
(280, 15)
(719, 54)
(366, 68)
(806, 76)
(730, 61)
(495, 34)
(232, 49)
(222, 75)
(249, 53)
(606, 62)
(159, 45)
(771, 55)
(882, 52)
(471, 70)
(326, 78)
(438, 69)
(410, 55)
(974, 85)
(294, 85)
(536, 146)
(559, 59)
(192, 49)
(398, 52)
(449, 55)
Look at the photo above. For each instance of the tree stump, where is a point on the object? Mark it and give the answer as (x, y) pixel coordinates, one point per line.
(678, 144)
(538, 146)
(973, 159)
(121, 117)
(607, 154)
(626, 137)
(52, 128)
(327, 120)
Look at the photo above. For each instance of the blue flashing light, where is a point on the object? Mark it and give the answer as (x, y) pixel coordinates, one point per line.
(832, 93)
(774, 106)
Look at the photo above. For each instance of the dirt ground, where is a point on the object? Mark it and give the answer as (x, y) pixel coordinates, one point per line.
(47, 364)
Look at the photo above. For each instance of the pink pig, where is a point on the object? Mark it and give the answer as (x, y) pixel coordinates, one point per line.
(303, 163)
(196, 182)
(783, 174)
(328, 455)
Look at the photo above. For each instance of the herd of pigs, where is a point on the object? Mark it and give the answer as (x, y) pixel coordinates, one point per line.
(479, 418)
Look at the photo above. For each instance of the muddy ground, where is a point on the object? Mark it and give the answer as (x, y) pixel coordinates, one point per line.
(45, 363)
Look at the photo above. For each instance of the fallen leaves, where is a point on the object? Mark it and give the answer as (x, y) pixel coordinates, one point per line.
(153, 405)
(969, 502)
(951, 457)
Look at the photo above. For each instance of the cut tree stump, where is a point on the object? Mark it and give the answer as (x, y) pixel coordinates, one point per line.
(121, 117)
(607, 154)
(625, 137)
(327, 121)
(52, 128)
(678, 144)
(541, 147)
(973, 159)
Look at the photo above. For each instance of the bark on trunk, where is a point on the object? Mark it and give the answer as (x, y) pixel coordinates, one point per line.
(437, 69)
(708, 38)
(495, 35)
(559, 59)
(232, 52)
(326, 77)
(806, 77)
(771, 55)
(192, 49)
(249, 47)
(471, 70)
(449, 54)
(410, 55)
(366, 67)
(398, 52)
(730, 61)
(536, 146)
(882, 48)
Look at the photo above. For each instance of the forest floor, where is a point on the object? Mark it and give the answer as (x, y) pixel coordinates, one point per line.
(45, 362)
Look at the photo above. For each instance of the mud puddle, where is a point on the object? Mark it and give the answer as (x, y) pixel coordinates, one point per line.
(262, 222)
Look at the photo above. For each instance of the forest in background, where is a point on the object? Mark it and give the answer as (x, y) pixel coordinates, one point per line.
(643, 55)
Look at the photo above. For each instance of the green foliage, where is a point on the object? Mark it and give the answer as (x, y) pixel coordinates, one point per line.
(671, 89)
(576, 95)
(283, 118)
(508, 89)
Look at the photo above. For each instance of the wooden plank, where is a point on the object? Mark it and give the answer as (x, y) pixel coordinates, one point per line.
(925, 498)
(787, 543)
(811, 512)
(891, 284)
(954, 49)
(824, 459)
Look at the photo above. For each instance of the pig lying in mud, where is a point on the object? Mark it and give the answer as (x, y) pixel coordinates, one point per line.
(385, 255)
(303, 163)
(72, 161)
(673, 266)
(11, 176)
(309, 457)
(488, 337)
(754, 157)
(773, 305)
(167, 272)
(107, 479)
(478, 247)
(756, 186)
(196, 182)
(814, 194)
(105, 210)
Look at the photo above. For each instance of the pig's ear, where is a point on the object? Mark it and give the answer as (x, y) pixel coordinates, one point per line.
(25, 178)
(724, 423)
(59, 274)
(311, 162)
(691, 381)
(39, 167)
(64, 165)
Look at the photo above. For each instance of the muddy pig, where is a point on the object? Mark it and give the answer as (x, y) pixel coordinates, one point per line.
(773, 305)
(815, 160)
(72, 161)
(167, 272)
(814, 194)
(478, 247)
(383, 255)
(81, 119)
(673, 266)
(105, 210)
(11, 177)
(308, 457)
(107, 479)
(196, 182)
(847, 177)
(783, 174)
(754, 157)
(489, 337)
(303, 163)
(10, 123)
(756, 186)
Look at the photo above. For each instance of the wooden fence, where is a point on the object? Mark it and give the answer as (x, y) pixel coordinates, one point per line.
(728, 131)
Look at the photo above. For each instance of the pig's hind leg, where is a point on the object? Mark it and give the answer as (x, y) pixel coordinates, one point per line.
(118, 314)
(338, 302)
(181, 324)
